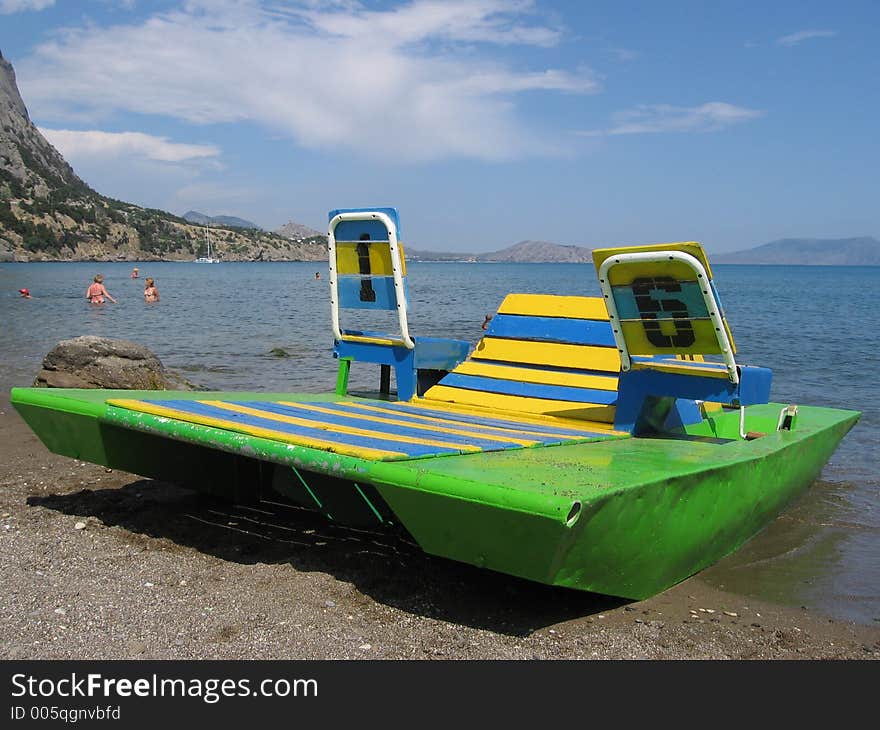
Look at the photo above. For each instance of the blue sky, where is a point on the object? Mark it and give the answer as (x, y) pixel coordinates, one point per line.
(485, 122)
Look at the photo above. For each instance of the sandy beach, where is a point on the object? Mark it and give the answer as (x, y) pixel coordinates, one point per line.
(101, 564)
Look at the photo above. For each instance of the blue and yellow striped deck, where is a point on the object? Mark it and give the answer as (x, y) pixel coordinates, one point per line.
(542, 355)
(375, 430)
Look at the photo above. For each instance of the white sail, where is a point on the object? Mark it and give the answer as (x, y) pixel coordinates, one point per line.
(207, 259)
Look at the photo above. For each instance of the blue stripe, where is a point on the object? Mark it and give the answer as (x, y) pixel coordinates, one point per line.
(691, 296)
(552, 329)
(358, 421)
(201, 409)
(489, 430)
(530, 390)
(517, 426)
(390, 212)
(351, 292)
(353, 230)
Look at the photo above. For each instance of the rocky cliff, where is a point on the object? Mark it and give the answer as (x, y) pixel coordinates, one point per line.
(47, 213)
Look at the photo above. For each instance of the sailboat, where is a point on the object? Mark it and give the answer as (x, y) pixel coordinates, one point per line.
(207, 259)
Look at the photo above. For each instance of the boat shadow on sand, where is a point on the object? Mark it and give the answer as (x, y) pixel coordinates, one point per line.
(388, 568)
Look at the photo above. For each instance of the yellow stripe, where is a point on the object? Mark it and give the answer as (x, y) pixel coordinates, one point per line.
(626, 272)
(521, 404)
(266, 433)
(517, 425)
(348, 261)
(583, 357)
(517, 417)
(530, 375)
(684, 368)
(548, 305)
(421, 427)
(335, 428)
(372, 340)
(705, 342)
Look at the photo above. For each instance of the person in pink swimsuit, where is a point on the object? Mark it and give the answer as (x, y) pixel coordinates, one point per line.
(151, 293)
(96, 291)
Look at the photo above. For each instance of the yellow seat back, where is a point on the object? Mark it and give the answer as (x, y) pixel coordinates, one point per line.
(662, 301)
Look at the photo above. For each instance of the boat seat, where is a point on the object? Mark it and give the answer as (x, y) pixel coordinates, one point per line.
(666, 317)
(368, 274)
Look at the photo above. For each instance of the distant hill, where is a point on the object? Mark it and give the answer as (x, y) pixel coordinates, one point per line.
(861, 251)
(532, 252)
(416, 255)
(297, 232)
(230, 221)
(540, 252)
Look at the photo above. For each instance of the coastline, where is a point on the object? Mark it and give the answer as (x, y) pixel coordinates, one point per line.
(107, 565)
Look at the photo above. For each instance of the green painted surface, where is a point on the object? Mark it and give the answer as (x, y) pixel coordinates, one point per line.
(342, 375)
(627, 517)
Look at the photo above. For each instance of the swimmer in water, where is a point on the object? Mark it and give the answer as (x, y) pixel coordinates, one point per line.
(151, 293)
(96, 291)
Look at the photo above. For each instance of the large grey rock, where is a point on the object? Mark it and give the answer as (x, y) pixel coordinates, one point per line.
(101, 362)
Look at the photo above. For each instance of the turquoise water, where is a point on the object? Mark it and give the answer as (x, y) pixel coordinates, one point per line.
(816, 327)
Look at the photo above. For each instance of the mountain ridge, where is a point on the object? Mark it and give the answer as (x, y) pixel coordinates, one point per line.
(522, 252)
(853, 251)
(227, 221)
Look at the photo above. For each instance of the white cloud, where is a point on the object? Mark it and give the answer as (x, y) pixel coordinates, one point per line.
(411, 83)
(78, 145)
(794, 38)
(655, 118)
(8, 7)
(486, 21)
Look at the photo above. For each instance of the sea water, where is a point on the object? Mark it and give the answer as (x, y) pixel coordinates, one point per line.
(266, 327)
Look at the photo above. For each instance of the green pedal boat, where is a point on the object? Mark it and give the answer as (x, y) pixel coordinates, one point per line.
(609, 444)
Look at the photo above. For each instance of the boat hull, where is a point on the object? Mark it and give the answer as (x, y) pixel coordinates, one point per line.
(628, 517)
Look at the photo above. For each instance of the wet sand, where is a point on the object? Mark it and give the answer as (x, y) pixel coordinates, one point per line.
(100, 564)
